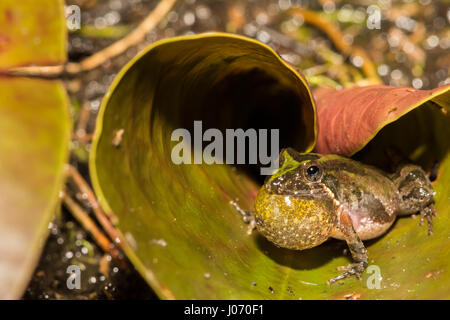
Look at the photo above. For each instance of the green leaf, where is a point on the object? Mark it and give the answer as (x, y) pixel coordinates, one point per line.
(35, 136)
(179, 227)
(34, 145)
(185, 238)
(32, 32)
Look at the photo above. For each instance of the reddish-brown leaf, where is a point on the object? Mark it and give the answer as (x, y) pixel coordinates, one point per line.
(371, 108)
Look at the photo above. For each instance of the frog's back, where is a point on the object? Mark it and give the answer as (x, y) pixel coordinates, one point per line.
(366, 193)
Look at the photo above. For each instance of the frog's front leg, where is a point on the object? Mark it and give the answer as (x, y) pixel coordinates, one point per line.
(357, 249)
(247, 216)
(429, 212)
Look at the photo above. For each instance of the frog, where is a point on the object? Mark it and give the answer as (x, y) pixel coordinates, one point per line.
(312, 197)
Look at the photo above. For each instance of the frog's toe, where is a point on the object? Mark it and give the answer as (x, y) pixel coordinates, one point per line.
(251, 226)
(343, 268)
(354, 269)
(247, 216)
(429, 213)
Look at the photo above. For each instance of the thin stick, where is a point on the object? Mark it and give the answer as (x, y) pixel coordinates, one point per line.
(102, 217)
(80, 133)
(335, 35)
(83, 218)
(85, 138)
(114, 234)
(115, 49)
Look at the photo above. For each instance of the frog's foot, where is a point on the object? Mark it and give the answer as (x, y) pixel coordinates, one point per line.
(251, 225)
(247, 216)
(428, 212)
(354, 269)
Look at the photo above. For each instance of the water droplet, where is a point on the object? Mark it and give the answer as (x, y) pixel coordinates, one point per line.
(112, 17)
(357, 61)
(345, 13)
(203, 12)
(172, 16)
(383, 69)
(417, 83)
(250, 30)
(189, 18)
(329, 7)
(263, 36)
(262, 18)
(100, 22)
(432, 41)
(284, 4)
(396, 74)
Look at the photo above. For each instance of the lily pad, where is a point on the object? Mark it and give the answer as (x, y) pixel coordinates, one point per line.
(372, 107)
(185, 237)
(35, 139)
(180, 230)
(32, 32)
(365, 122)
(34, 146)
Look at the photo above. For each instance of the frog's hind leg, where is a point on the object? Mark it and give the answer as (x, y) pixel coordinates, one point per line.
(247, 216)
(429, 213)
(357, 249)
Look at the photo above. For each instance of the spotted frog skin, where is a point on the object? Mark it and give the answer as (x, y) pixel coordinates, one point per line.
(313, 197)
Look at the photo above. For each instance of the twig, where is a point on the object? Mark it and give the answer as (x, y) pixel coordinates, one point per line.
(113, 233)
(80, 132)
(115, 49)
(83, 139)
(102, 217)
(316, 70)
(321, 80)
(335, 35)
(83, 218)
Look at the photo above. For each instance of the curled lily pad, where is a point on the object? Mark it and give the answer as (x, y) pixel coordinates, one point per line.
(179, 227)
(34, 146)
(184, 236)
(32, 32)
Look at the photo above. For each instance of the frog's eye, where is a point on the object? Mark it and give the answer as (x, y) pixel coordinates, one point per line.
(313, 173)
